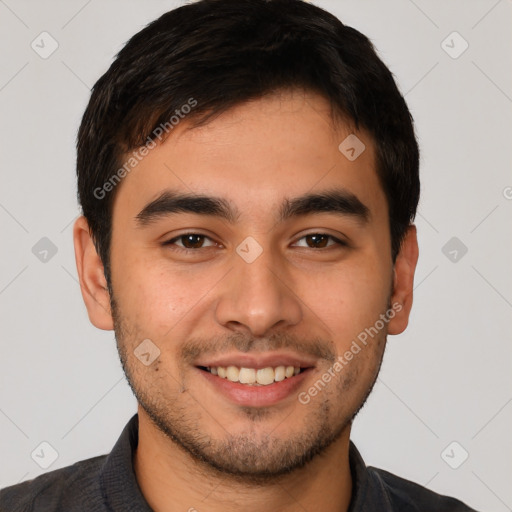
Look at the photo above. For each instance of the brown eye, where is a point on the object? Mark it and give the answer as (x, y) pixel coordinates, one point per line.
(189, 241)
(320, 241)
(192, 241)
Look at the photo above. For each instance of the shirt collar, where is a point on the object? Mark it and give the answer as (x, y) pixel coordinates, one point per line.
(117, 476)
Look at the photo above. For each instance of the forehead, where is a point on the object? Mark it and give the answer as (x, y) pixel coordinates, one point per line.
(256, 153)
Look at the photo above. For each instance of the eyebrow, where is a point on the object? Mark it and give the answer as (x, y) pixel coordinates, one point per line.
(169, 202)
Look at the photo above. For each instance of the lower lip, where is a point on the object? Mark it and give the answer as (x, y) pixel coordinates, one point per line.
(256, 396)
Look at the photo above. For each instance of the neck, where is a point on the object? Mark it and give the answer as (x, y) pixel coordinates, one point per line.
(171, 480)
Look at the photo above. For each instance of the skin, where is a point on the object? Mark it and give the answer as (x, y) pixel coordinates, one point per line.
(293, 295)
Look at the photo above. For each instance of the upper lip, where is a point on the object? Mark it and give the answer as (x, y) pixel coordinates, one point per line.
(255, 360)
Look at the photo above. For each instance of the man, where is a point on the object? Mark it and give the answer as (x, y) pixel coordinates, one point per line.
(248, 174)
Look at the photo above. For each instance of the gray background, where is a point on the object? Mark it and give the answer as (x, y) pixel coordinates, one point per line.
(447, 378)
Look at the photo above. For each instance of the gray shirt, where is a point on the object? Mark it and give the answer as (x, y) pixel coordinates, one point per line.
(108, 483)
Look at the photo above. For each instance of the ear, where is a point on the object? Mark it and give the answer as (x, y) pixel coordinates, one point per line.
(403, 282)
(92, 277)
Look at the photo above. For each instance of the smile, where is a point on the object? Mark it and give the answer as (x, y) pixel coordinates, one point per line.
(254, 376)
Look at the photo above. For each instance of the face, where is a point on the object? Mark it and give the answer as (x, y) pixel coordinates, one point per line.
(252, 299)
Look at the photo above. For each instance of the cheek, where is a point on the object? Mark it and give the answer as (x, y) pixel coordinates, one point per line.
(156, 297)
(143, 292)
(350, 298)
(156, 301)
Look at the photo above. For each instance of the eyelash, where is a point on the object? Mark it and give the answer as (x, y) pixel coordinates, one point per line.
(172, 241)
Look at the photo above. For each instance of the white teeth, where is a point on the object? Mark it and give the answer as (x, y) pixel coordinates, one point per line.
(279, 373)
(252, 376)
(247, 376)
(232, 373)
(265, 376)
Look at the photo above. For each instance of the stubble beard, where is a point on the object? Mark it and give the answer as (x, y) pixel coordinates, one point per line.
(253, 457)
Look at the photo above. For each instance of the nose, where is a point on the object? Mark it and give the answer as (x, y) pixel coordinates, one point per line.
(258, 296)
